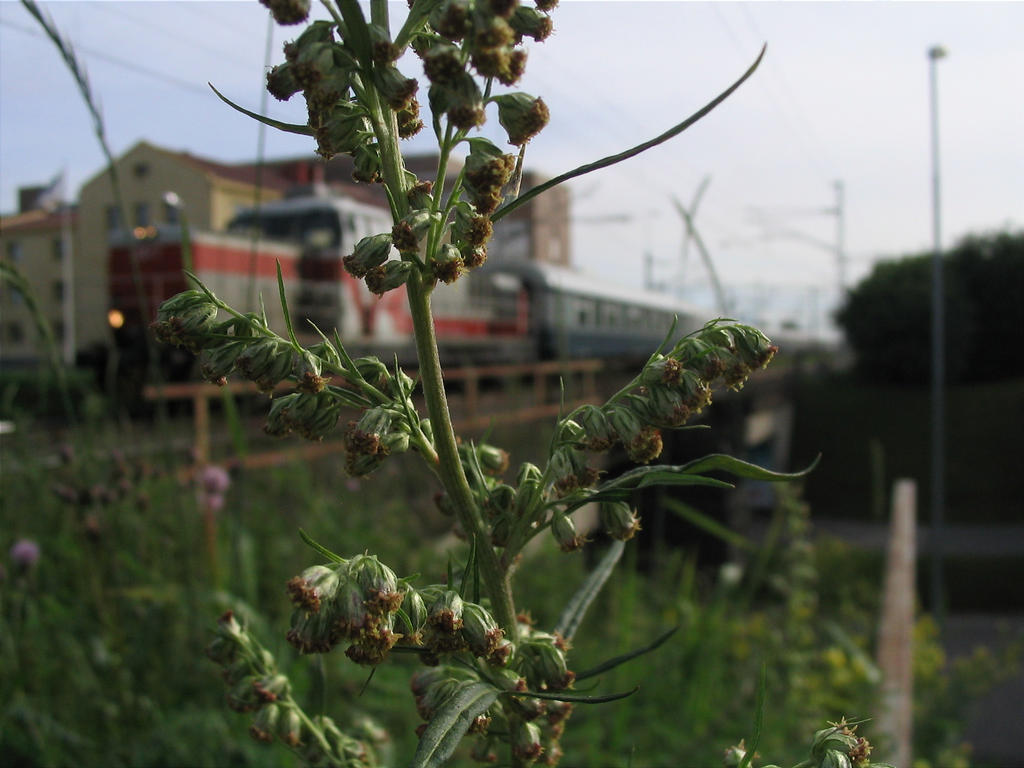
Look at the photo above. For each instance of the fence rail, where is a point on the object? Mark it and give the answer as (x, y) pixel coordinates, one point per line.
(479, 397)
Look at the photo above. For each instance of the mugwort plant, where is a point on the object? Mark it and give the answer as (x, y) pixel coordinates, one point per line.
(487, 672)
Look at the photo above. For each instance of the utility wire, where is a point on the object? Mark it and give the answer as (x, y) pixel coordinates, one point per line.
(218, 53)
(132, 66)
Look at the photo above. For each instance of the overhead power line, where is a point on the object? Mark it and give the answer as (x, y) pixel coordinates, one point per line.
(133, 66)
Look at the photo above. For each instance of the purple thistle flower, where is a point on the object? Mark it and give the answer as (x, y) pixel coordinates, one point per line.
(214, 480)
(24, 553)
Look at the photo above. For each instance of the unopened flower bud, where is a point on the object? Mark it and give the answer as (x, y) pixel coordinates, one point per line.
(642, 443)
(265, 723)
(487, 167)
(565, 532)
(493, 460)
(312, 632)
(480, 630)
(366, 163)
(395, 88)
(281, 82)
(445, 622)
(383, 51)
(664, 371)
(443, 64)
(448, 266)
(317, 32)
(528, 22)
(289, 727)
(618, 520)
(306, 369)
(415, 610)
(217, 363)
(369, 252)
(409, 122)
(272, 687)
(461, 100)
(349, 608)
(388, 276)
(526, 744)
(314, 586)
(451, 19)
(287, 12)
(522, 116)
(267, 362)
(378, 583)
(836, 738)
(408, 232)
(474, 258)
(185, 319)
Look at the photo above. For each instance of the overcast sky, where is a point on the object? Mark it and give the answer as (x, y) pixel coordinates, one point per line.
(842, 95)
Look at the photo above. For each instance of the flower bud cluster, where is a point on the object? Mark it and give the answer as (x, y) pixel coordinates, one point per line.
(671, 388)
(243, 345)
(530, 726)
(256, 688)
(442, 622)
(485, 35)
(839, 746)
(379, 433)
(355, 602)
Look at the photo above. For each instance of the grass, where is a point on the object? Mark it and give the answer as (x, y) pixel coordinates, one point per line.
(101, 647)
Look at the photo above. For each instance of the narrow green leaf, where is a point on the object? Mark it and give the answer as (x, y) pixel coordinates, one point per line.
(613, 159)
(451, 721)
(576, 698)
(708, 524)
(762, 692)
(357, 33)
(418, 14)
(739, 468)
(304, 130)
(320, 548)
(617, 660)
(468, 570)
(284, 307)
(577, 606)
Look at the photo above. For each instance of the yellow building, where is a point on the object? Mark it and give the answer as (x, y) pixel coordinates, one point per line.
(208, 192)
(36, 243)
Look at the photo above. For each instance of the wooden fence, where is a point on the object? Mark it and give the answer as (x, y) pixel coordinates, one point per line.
(479, 397)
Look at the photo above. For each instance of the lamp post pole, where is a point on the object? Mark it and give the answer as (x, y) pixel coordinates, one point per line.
(938, 373)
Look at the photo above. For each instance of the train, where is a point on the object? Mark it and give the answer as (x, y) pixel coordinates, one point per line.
(508, 310)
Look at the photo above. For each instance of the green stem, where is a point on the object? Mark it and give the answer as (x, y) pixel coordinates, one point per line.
(495, 577)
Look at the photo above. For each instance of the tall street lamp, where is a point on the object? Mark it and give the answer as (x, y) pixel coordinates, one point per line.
(938, 409)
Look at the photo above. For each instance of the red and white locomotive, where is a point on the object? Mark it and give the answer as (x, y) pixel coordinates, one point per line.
(509, 310)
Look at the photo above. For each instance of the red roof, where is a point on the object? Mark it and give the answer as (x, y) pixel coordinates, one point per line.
(35, 221)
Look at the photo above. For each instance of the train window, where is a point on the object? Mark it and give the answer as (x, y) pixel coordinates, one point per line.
(634, 316)
(611, 314)
(584, 310)
(320, 228)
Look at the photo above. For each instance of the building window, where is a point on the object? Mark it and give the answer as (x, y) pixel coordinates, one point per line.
(14, 251)
(58, 249)
(141, 171)
(142, 215)
(58, 329)
(113, 218)
(58, 290)
(16, 296)
(15, 334)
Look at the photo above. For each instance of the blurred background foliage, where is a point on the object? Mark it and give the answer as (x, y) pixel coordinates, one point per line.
(102, 637)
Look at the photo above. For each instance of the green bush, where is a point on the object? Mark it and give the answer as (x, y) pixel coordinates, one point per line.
(887, 317)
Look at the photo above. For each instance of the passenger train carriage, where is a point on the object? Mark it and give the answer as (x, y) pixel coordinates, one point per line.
(509, 310)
